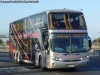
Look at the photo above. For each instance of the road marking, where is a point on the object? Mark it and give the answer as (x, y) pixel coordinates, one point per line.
(14, 68)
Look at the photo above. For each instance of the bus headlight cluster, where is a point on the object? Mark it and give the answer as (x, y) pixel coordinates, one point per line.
(84, 58)
(56, 58)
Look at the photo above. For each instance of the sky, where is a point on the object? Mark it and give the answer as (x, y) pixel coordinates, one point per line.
(13, 11)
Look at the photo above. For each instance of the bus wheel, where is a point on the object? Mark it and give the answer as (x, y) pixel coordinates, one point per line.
(15, 59)
(41, 65)
(18, 60)
(73, 69)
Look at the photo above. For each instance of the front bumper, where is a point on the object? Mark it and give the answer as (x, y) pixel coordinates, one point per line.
(76, 64)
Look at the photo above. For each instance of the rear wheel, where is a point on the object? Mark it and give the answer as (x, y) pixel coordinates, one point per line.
(18, 59)
(15, 58)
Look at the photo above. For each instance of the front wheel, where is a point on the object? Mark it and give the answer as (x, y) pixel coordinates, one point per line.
(41, 65)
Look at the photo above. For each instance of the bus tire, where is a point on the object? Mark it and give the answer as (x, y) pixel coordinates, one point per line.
(18, 61)
(41, 64)
(15, 58)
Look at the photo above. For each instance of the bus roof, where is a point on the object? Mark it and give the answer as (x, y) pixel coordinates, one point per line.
(53, 10)
(58, 10)
(63, 10)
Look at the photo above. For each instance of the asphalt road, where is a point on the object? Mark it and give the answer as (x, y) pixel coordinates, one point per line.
(8, 67)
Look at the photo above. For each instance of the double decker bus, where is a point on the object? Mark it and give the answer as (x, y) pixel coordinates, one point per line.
(51, 39)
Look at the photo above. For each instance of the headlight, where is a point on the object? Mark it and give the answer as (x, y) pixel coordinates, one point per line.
(56, 58)
(81, 59)
(84, 58)
(87, 57)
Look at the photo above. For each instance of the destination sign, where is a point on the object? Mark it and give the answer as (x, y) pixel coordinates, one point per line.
(78, 34)
(61, 36)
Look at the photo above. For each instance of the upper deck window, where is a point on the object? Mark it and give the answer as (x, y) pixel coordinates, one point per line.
(67, 21)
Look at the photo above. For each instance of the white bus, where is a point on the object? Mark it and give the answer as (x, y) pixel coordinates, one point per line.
(51, 39)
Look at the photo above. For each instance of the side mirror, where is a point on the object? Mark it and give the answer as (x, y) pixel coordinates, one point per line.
(89, 39)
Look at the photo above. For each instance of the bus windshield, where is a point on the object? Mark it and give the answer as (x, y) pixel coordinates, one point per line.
(79, 43)
(60, 42)
(66, 43)
(67, 21)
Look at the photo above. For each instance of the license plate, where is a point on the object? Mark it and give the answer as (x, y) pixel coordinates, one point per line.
(71, 65)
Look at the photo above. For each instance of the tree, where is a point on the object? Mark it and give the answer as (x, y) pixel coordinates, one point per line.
(95, 40)
(1, 41)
